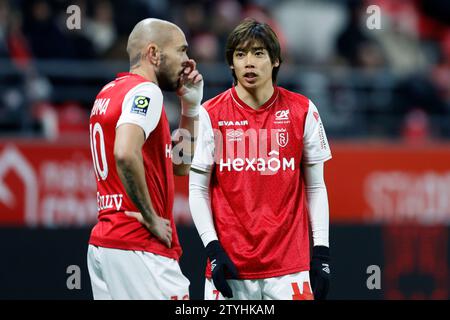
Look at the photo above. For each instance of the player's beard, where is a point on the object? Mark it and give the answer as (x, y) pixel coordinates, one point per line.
(166, 80)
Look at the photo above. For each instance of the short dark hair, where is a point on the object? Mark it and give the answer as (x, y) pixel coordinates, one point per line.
(247, 33)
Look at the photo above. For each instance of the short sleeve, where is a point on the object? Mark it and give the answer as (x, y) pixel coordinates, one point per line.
(315, 144)
(204, 151)
(142, 106)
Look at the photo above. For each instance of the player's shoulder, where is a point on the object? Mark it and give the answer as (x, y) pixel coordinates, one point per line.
(145, 87)
(214, 104)
(136, 84)
(294, 99)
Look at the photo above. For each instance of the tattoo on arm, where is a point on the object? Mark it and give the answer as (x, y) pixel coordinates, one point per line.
(133, 192)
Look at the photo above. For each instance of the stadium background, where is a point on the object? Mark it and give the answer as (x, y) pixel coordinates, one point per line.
(383, 94)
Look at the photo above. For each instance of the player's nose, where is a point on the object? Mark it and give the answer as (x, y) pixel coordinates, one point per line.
(249, 60)
(185, 58)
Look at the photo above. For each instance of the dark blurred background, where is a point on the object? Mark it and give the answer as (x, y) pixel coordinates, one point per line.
(383, 94)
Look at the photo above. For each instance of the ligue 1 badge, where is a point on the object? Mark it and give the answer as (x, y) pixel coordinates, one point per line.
(140, 105)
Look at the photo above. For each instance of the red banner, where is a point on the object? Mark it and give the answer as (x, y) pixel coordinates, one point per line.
(46, 184)
(389, 183)
(53, 184)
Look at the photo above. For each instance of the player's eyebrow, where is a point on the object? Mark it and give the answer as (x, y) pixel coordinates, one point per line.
(257, 48)
(244, 49)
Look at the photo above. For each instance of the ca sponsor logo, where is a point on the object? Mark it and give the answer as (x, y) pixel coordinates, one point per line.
(282, 115)
(282, 137)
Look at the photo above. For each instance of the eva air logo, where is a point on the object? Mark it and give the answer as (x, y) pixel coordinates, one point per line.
(140, 105)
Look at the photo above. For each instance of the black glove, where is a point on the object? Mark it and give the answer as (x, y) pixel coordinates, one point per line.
(320, 272)
(220, 263)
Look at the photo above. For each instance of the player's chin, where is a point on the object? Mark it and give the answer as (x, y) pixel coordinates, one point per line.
(248, 84)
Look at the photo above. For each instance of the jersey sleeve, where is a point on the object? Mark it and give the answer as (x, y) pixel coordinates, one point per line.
(315, 144)
(204, 151)
(142, 106)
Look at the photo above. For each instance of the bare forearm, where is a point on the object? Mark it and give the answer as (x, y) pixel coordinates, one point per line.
(132, 174)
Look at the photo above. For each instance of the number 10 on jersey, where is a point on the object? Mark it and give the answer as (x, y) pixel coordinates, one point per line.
(100, 171)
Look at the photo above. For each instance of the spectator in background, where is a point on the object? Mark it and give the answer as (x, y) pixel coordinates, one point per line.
(354, 47)
(4, 18)
(261, 14)
(100, 29)
(441, 79)
(399, 38)
(227, 13)
(46, 39)
(81, 45)
(363, 88)
(20, 94)
(205, 47)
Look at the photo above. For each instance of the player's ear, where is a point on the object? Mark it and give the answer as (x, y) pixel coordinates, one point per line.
(277, 63)
(153, 54)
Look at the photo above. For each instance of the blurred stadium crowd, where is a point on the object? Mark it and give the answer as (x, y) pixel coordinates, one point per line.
(392, 82)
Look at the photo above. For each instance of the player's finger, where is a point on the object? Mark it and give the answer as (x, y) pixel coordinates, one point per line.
(131, 213)
(192, 75)
(198, 78)
(192, 63)
(182, 80)
(136, 215)
(165, 240)
(189, 66)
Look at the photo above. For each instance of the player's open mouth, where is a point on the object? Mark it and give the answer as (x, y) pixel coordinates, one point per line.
(250, 76)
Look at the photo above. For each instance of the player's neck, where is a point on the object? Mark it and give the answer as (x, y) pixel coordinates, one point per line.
(255, 97)
(145, 73)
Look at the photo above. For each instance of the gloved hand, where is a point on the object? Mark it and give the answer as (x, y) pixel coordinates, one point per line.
(320, 272)
(220, 264)
(190, 90)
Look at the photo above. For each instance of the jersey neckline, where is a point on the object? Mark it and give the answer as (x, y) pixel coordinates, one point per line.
(124, 74)
(269, 103)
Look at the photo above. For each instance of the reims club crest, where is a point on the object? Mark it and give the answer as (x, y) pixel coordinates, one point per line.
(282, 138)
